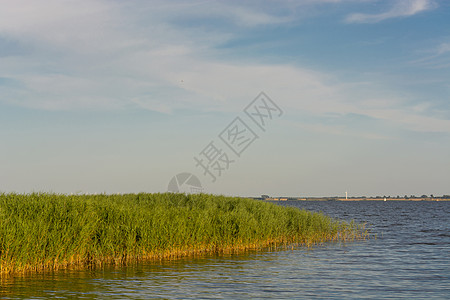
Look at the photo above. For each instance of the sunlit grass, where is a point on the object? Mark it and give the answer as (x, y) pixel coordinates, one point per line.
(50, 231)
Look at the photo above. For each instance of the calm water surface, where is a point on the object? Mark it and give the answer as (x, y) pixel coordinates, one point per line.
(410, 258)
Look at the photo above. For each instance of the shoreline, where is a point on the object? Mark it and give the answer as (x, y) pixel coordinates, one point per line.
(351, 199)
(393, 199)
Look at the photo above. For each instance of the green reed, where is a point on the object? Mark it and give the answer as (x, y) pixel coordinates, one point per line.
(49, 231)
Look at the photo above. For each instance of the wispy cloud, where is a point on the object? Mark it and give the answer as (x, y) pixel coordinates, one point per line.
(110, 55)
(400, 8)
(435, 57)
(443, 48)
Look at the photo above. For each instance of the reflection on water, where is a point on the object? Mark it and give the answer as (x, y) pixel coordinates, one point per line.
(408, 259)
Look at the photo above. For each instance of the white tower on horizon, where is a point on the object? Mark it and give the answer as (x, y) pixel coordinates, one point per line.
(345, 195)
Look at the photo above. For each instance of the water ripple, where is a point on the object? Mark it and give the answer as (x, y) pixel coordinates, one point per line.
(409, 259)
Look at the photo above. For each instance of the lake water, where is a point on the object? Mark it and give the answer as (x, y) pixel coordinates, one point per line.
(410, 258)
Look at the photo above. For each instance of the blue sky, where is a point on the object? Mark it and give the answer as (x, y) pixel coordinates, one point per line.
(119, 96)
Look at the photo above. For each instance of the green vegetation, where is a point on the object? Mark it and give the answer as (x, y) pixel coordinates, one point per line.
(49, 231)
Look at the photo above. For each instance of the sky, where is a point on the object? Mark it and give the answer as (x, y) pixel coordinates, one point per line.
(122, 96)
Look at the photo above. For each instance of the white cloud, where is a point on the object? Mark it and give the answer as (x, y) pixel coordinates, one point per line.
(443, 48)
(436, 57)
(401, 8)
(108, 55)
(82, 55)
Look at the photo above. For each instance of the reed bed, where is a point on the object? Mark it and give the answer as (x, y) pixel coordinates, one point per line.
(42, 231)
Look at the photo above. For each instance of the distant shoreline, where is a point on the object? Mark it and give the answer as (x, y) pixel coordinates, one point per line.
(394, 199)
(436, 199)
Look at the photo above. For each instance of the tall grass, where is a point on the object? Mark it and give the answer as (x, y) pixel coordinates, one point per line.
(49, 231)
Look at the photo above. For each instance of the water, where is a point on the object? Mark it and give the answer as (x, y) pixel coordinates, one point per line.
(410, 258)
